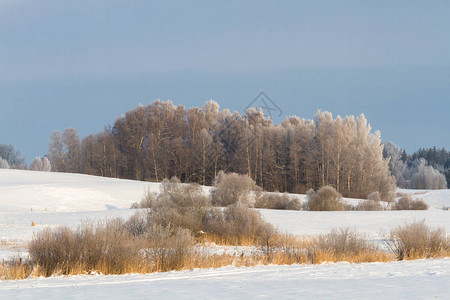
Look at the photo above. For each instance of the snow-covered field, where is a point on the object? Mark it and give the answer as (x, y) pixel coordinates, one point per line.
(424, 279)
(30, 191)
(52, 199)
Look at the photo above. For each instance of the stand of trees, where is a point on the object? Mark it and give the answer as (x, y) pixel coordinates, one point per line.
(161, 140)
(10, 158)
(41, 164)
(424, 169)
(439, 159)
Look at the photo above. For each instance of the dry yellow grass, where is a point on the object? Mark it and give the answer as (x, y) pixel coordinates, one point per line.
(12, 271)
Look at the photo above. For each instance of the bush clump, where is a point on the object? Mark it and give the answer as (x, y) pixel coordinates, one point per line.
(178, 205)
(406, 202)
(416, 240)
(168, 247)
(111, 247)
(371, 204)
(343, 243)
(277, 201)
(230, 188)
(374, 196)
(325, 199)
(106, 247)
(240, 223)
(185, 206)
(149, 199)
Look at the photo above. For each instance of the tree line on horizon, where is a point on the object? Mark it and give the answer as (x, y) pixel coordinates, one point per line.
(161, 140)
(10, 158)
(424, 169)
(206, 140)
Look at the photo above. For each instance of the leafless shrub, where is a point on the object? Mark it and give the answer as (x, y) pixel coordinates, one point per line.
(148, 201)
(342, 242)
(231, 188)
(237, 223)
(406, 202)
(168, 247)
(403, 203)
(183, 195)
(246, 222)
(417, 240)
(369, 205)
(111, 247)
(169, 214)
(177, 205)
(277, 201)
(185, 206)
(418, 204)
(374, 196)
(137, 224)
(325, 199)
(90, 247)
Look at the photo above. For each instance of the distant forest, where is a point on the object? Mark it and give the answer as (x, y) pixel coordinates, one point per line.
(424, 169)
(161, 140)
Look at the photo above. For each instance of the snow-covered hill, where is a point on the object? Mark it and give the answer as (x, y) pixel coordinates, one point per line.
(24, 191)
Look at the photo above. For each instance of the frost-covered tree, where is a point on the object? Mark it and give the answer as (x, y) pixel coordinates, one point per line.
(13, 157)
(46, 165)
(56, 152)
(64, 151)
(349, 157)
(202, 147)
(41, 164)
(71, 142)
(424, 169)
(437, 158)
(3, 164)
(397, 166)
(427, 177)
(161, 140)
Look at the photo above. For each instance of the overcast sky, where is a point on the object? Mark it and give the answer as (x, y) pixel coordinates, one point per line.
(82, 63)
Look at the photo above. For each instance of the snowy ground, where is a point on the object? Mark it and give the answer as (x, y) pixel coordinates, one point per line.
(423, 279)
(52, 199)
(29, 191)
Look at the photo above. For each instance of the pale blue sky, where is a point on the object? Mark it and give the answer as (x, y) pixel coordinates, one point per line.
(83, 63)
